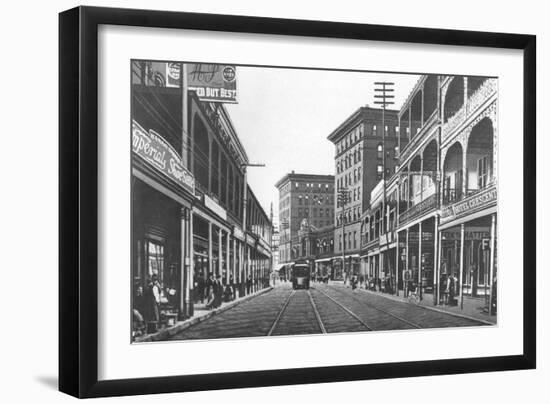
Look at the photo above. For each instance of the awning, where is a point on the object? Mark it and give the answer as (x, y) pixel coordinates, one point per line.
(323, 260)
(339, 257)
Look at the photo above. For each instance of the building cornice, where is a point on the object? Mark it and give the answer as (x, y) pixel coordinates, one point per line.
(361, 114)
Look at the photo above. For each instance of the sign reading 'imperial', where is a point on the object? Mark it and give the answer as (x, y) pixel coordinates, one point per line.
(152, 148)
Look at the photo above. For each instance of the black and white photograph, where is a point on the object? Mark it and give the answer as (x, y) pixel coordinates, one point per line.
(275, 202)
(272, 201)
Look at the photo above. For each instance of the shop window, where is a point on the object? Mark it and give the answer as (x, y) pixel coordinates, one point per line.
(201, 151)
(482, 172)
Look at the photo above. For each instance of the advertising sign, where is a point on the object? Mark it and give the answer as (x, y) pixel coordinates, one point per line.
(473, 203)
(152, 148)
(215, 207)
(173, 74)
(213, 82)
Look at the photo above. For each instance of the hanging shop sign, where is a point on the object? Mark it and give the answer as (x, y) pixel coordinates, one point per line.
(215, 207)
(213, 82)
(157, 74)
(173, 74)
(158, 153)
(471, 204)
(471, 233)
(238, 233)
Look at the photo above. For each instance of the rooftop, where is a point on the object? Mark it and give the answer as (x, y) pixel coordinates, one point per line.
(304, 177)
(362, 113)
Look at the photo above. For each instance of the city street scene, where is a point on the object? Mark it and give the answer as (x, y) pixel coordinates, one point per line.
(272, 201)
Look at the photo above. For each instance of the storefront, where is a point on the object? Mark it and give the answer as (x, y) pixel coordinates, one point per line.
(477, 255)
(157, 243)
(161, 191)
(468, 239)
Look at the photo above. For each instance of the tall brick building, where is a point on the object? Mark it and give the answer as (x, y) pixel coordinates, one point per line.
(359, 167)
(302, 197)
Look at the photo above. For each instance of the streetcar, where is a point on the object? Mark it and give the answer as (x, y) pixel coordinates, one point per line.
(300, 275)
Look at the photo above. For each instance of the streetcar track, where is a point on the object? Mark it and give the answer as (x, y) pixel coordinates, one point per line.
(317, 315)
(342, 293)
(348, 311)
(373, 307)
(278, 318)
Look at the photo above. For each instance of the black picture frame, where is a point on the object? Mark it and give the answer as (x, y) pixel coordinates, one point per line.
(78, 200)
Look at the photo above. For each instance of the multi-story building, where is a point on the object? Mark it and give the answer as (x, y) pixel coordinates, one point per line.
(302, 196)
(316, 246)
(275, 248)
(468, 189)
(441, 213)
(378, 241)
(193, 213)
(360, 143)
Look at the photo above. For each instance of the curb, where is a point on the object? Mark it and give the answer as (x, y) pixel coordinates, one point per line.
(451, 313)
(170, 331)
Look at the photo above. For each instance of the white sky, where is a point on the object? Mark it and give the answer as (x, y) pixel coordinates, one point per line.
(284, 116)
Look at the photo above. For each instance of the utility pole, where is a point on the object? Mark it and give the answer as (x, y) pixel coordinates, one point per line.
(343, 198)
(383, 96)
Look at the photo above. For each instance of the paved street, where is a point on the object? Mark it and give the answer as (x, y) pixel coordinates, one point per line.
(321, 309)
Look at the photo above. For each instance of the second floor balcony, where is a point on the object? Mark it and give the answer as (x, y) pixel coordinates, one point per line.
(426, 205)
(460, 104)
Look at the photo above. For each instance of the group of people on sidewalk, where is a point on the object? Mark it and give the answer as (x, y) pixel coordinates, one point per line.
(213, 291)
(146, 308)
(386, 285)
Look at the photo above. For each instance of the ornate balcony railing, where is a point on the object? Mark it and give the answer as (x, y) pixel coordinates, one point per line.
(472, 201)
(451, 195)
(482, 94)
(416, 136)
(423, 206)
(486, 90)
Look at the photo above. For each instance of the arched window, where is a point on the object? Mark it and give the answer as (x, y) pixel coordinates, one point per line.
(201, 152)
(379, 150)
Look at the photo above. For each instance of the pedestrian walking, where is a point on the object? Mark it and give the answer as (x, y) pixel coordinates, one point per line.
(208, 285)
(443, 297)
(151, 304)
(139, 325)
(218, 291)
(199, 288)
(451, 290)
(248, 284)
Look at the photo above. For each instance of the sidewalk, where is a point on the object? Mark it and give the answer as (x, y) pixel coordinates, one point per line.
(473, 307)
(200, 314)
